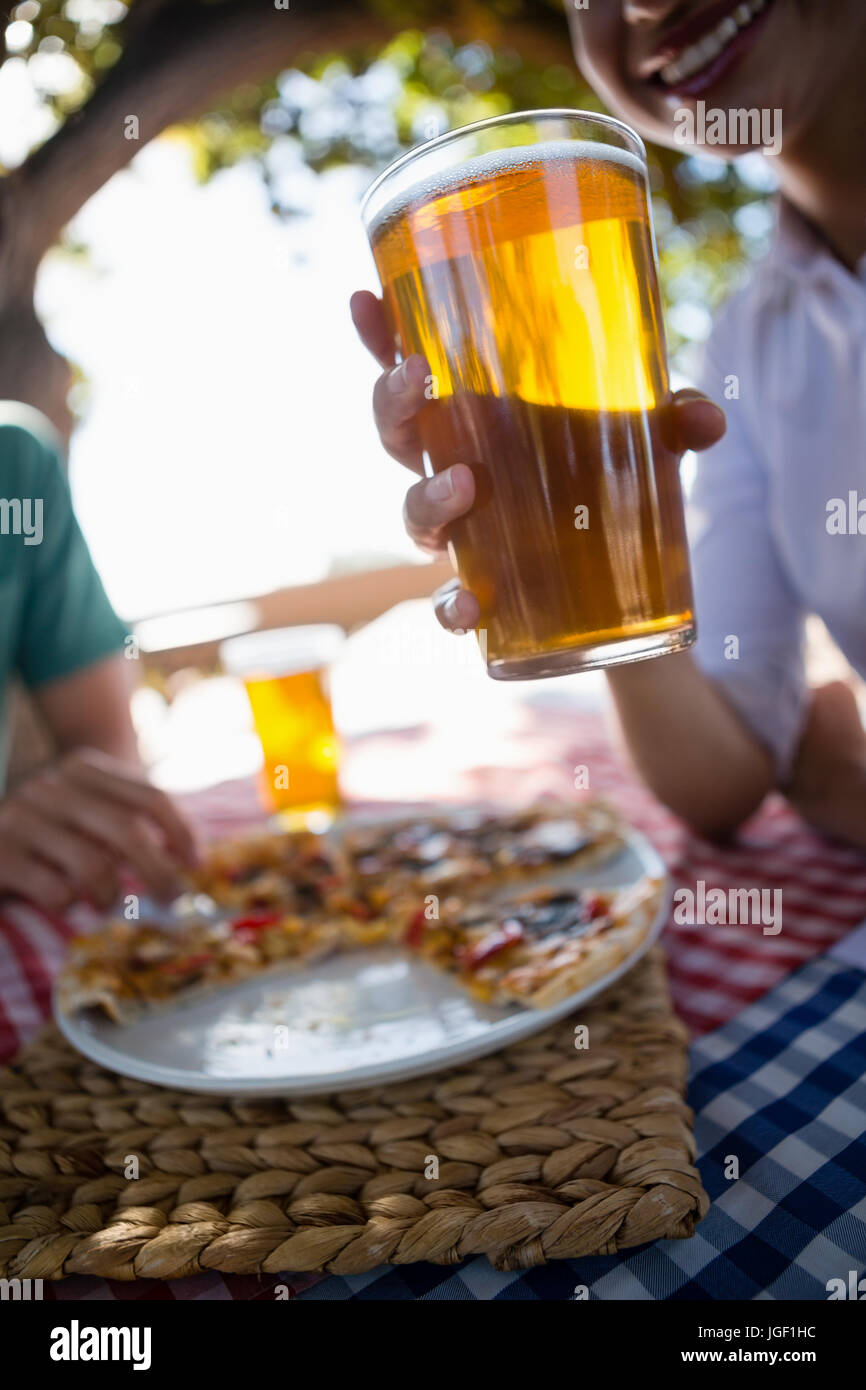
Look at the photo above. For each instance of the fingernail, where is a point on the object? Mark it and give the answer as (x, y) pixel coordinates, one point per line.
(440, 487)
(415, 371)
(453, 611)
(397, 379)
(412, 371)
(401, 378)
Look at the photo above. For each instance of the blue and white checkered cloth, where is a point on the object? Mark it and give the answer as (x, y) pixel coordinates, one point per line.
(780, 1090)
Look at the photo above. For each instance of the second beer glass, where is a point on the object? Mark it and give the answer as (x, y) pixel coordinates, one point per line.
(517, 256)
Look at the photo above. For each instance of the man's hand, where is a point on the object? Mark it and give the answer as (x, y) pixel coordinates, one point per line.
(692, 422)
(68, 831)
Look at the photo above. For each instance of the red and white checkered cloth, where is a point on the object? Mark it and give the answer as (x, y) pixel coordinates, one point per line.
(715, 970)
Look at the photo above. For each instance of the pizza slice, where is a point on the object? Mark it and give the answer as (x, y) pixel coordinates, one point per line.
(468, 849)
(131, 967)
(536, 948)
(294, 871)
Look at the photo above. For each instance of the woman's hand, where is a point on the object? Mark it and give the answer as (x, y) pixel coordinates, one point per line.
(828, 782)
(431, 505)
(68, 831)
(434, 503)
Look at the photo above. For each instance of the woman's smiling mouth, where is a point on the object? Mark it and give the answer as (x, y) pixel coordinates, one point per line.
(692, 57)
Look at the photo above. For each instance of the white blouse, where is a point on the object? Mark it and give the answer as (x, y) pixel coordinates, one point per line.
(777, 513)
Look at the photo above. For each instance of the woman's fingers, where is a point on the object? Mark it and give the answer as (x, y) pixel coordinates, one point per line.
(368, 316)
(692, 421)
(456, 609)
(400, 391)
(398, 396)
(434, 503)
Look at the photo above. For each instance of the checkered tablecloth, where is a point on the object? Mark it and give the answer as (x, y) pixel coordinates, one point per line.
(780, 1097)
(716, 971)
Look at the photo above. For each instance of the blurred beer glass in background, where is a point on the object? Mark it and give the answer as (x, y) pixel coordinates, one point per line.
(518, 256)
(285, 672)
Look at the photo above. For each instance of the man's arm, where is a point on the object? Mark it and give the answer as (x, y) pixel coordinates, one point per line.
(90, 709)
(69, 641)
(70, 829)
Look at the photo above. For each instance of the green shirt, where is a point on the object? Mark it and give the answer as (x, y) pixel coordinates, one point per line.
(55, 618)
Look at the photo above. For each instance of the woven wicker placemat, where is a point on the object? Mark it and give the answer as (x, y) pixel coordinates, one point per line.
(544, 1151)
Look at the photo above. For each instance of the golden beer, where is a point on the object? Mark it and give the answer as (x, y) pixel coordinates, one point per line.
(293, 720)
(518, 257)
(285, 675)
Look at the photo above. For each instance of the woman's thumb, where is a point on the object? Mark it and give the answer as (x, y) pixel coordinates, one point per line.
(692, 421)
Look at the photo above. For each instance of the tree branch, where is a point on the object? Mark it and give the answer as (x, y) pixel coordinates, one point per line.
(173, 67)
(181, 57)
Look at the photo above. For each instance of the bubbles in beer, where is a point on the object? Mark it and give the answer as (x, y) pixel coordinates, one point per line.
(593, 159)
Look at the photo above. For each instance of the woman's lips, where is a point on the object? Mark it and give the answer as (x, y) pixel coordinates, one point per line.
(730, 57)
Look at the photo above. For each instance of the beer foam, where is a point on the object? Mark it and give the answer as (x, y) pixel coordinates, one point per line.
(482, 168)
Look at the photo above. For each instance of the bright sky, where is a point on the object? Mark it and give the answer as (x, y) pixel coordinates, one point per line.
(228, 445)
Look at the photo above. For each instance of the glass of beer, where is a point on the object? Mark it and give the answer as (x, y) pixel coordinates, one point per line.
(518, 256)
(285, 672)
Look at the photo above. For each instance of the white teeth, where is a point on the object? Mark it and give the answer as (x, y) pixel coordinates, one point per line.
(699, 55)
(711, 46)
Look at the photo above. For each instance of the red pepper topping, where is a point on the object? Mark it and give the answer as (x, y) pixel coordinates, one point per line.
(415, 930)
(255, 921)
(499, 940)
(594, 905)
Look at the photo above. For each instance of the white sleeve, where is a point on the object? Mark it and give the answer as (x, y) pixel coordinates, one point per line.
(750, 622)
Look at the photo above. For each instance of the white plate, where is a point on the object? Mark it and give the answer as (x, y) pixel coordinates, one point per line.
(356, 1020)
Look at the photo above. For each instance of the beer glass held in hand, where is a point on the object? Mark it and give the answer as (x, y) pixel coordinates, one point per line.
(517, 256)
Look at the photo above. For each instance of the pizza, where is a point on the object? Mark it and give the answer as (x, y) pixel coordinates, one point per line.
(367, 865)
(296, 870)
(132, 967)
(540, 947)
(464, 904)
(469, 848)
